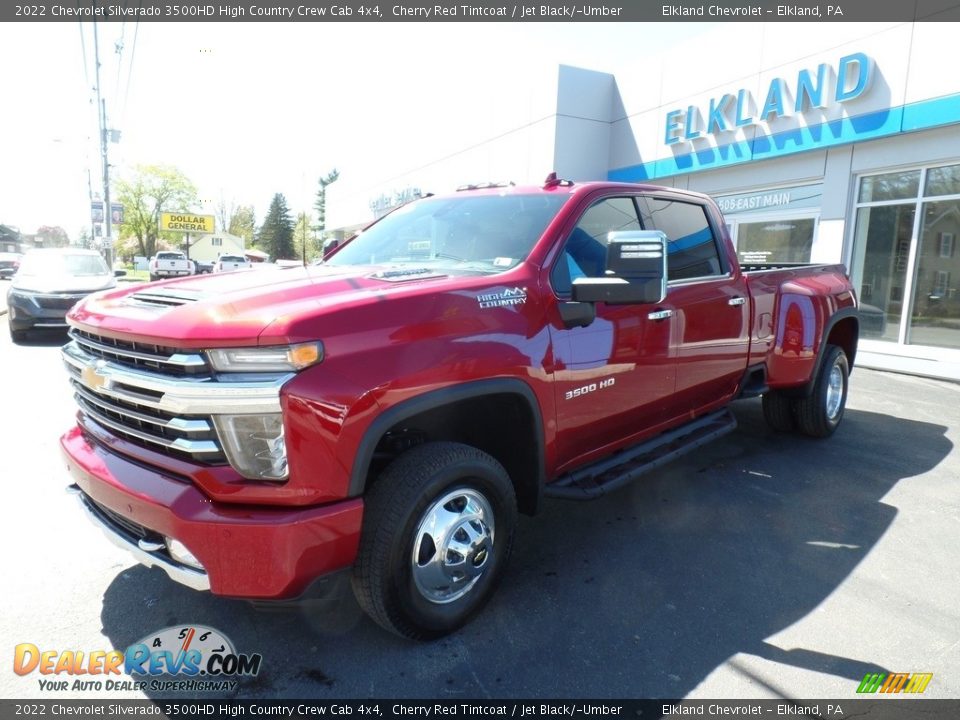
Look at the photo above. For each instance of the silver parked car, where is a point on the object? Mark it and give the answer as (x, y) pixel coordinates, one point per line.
(49, 282)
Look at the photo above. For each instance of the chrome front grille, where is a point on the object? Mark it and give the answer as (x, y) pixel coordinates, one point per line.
(142, 394)
(190, 438)
(156, 358)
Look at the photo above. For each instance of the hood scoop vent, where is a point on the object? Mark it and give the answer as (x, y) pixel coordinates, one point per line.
(165, 298)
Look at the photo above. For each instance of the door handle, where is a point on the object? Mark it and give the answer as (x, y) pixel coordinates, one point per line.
(736, 301)
(660, 314)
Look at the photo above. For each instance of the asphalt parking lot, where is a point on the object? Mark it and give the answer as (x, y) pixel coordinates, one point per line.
(765, 565)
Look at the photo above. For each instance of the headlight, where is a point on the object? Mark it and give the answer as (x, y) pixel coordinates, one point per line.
(23, 296)
(254, 444)
(279, 358)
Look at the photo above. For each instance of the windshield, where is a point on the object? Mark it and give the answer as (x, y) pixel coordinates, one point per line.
(486, 233)
(69, 264)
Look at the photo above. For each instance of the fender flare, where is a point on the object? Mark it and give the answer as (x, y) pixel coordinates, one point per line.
(438, 398)
(841, 314)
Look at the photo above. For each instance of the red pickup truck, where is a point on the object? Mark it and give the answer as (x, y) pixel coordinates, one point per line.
(389, 412)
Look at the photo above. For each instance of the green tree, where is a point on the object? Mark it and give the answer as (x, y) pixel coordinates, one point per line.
(52, 236)
(304, 243)
(153, 189)
(243, 224)
(276, 234)
(321, 203)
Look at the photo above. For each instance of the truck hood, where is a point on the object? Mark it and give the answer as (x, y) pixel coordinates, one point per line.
(247, 307)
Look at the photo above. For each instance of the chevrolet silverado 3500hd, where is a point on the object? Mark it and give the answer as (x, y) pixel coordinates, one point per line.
(389, 412)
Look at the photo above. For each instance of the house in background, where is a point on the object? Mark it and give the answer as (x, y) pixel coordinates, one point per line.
(207, 248)
(10, 240)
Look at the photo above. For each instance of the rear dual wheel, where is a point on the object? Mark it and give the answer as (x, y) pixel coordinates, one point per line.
(819, 413)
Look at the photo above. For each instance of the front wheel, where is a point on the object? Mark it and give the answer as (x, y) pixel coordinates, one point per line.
(437, 532)
(819, 414)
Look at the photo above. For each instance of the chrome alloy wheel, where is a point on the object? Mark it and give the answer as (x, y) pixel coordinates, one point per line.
(834, 392)
(453, 545)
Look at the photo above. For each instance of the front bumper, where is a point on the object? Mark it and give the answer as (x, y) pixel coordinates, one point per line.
(246, 552)
(37, 310)
(166, 273)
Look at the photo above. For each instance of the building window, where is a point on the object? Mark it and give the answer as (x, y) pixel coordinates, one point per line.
(778, 240)
(904, 263)
(774, 225)
(946, 245)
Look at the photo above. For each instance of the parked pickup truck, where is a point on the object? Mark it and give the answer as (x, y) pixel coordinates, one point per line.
(170, 263)
(226, 263)
(388, 413)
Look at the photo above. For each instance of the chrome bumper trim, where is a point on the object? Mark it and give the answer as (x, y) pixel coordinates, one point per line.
(178, 573)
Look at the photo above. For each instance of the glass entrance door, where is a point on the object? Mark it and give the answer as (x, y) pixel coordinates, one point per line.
(906, 262)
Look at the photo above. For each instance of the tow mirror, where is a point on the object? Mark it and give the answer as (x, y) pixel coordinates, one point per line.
(636, 271)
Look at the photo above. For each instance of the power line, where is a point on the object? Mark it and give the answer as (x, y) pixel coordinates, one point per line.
(83, 50)
(133, 51)
(118, 48)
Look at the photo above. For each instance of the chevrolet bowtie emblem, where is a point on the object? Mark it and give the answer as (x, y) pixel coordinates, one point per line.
(92, 378)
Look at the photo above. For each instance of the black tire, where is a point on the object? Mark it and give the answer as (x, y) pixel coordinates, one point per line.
(154, 278)
(397, 590)
(819, 414)
(778, 411)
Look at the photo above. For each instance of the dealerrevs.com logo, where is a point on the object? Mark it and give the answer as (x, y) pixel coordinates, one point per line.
(180, 658)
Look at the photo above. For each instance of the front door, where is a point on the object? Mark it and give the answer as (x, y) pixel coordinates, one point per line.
(614, 379)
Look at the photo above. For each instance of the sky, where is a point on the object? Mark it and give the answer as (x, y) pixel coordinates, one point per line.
(247, 110)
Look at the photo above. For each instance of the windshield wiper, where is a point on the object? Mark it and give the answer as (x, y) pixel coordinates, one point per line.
(448, 256)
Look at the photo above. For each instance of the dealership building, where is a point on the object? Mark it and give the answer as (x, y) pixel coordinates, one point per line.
(824, 143)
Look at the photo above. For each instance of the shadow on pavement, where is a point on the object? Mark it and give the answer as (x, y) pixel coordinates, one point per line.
(640, 594)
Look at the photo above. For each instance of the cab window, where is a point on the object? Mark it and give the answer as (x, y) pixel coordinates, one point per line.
(585, 250)
(692, 248)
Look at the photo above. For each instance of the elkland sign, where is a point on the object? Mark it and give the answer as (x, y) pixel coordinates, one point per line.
(732, 111)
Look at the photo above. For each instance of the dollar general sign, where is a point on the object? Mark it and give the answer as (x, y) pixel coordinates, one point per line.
(186, 222)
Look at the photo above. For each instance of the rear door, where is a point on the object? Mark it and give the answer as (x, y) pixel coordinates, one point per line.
(709, 298)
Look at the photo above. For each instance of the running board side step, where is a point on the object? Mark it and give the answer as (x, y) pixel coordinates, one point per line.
(599, 478)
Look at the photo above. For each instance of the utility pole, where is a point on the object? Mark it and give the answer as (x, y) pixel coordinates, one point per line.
(93, 225)
(102, 116)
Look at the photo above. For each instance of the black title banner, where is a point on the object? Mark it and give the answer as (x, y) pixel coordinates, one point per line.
(872, 709)
(481, 11)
